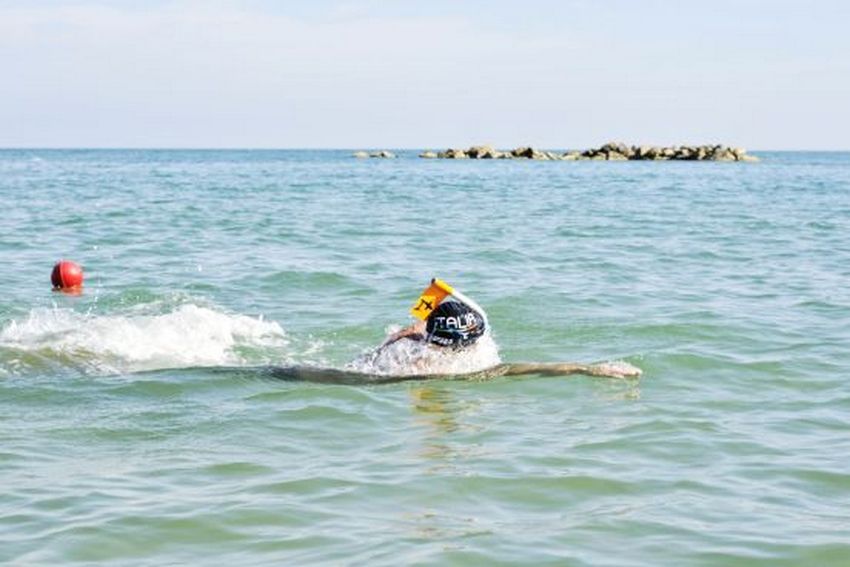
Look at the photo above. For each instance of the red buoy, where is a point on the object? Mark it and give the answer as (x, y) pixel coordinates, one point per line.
(67, 275)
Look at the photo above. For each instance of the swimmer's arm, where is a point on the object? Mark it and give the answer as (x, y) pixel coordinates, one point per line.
(414, 331)
(603, 369)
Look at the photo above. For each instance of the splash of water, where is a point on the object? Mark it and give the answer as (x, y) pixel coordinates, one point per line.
(409, 358)
(190, 335)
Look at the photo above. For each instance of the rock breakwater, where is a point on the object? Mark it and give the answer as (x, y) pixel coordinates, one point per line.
(611, 151)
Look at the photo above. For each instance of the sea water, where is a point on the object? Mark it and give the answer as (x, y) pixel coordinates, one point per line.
(139, 424)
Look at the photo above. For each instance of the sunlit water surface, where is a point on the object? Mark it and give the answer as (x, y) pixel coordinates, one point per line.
(139, 424)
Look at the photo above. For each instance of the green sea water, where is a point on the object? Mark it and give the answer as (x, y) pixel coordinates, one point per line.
(139, 424)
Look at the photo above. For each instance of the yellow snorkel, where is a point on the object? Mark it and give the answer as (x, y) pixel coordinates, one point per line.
(434, 294)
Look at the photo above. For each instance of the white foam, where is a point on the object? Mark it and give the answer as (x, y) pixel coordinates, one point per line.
(408, 358)
(190, 335)
(143, 338)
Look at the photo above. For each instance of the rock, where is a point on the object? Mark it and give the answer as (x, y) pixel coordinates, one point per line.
(481, 152)
(654, 153)
(571, 156)
(616, 156)
(615, 147)
(428, 155)
(453, 154)
(684, 153)
(523, 152)
(724, 154)
(382, 154)
(361, 155)
(529, 153)
(747, 157)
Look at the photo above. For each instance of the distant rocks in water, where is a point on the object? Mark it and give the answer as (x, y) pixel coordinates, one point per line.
(381, 154)
(615, 151)
(611, 151)
(475, 152)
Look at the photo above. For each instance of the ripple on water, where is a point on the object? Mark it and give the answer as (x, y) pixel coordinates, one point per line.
(726, 285)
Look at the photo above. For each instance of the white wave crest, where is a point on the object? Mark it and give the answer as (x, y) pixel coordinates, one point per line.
(189, 335)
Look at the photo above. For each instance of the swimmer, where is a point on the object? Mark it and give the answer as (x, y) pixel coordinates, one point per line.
(452, 323)
(449, 323)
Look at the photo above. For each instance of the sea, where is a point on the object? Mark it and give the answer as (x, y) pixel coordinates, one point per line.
(142, 421)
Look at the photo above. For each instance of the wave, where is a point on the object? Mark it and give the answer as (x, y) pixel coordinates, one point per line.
(188, 336)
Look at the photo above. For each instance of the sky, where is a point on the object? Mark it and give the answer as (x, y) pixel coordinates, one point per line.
(769, 75)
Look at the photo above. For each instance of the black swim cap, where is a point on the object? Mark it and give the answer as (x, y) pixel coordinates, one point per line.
(454, 324)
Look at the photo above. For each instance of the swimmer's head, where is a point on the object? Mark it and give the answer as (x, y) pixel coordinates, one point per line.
(454, 324)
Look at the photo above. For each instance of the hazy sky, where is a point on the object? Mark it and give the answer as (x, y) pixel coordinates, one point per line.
(323, 73)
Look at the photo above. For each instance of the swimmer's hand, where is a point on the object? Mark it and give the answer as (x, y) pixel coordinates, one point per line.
(618, 369)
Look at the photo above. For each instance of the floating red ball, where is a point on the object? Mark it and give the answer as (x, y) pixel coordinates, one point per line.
(66, 275)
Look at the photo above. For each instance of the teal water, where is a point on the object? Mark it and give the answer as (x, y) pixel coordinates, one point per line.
(137, 426)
